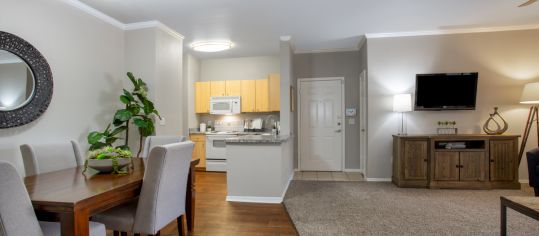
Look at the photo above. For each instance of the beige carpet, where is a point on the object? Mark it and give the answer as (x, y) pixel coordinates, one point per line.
(366, 208)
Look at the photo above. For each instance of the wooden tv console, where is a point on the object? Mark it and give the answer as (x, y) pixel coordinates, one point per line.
(456, 161)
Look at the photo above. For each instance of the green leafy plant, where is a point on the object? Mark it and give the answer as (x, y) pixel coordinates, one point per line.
(138, 109)
(111, 153)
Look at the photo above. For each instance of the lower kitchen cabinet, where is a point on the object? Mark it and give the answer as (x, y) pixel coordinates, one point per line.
(199, 151)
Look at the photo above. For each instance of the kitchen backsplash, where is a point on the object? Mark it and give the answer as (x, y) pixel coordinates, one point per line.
(236, 122)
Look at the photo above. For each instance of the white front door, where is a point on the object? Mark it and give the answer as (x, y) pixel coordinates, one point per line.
(321, 124)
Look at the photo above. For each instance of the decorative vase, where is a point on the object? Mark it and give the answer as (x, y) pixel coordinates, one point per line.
(500, 129)
(105, 165)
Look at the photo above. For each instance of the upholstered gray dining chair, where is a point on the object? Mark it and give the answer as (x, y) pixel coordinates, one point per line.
(43, 158)
(153, 141)
(162, 197)
(17, 215)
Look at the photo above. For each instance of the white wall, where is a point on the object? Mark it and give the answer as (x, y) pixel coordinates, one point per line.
(241, 68)
(505, 62)
(191, 73)
(86, 58)
(156, 56)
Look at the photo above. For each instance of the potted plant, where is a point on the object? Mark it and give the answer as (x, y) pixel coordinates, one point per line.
(138, 110)
(108, 160)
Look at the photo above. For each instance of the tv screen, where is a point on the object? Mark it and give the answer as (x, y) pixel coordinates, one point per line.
(456, 91)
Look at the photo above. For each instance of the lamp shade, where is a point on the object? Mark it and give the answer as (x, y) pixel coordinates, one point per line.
(530, 94)
(402, 102)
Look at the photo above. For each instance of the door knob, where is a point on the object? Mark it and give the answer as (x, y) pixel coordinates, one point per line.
(337, 131)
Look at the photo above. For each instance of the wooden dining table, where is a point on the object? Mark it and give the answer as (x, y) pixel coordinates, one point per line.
(73, 197)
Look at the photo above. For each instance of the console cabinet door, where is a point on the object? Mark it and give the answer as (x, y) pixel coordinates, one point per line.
(415, 159)
(473, 166)
(446, 166)
(502, 160)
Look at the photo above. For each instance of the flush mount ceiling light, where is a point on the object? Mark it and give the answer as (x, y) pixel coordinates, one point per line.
(211, 46)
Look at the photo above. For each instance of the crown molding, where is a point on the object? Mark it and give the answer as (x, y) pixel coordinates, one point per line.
(96, 13)
(132, 26)
(452, 31)
(299, 51)
(153, 24)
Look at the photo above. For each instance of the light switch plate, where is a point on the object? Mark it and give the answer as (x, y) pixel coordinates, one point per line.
(352, 121)
(350, 112)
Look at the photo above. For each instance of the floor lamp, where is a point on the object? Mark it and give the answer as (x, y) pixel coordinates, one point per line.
(402, 103)
(530, 95)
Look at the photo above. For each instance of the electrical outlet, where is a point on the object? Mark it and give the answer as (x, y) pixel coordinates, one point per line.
(162, 121)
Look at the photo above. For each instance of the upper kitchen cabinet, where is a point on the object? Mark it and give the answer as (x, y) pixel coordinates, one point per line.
(248, 95)
(274, 92)
(202, 97)
(218, 88)
(262, 95)
(233, 88)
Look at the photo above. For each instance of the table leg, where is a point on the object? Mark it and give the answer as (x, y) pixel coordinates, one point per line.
(503, 219)
(75, 223)
(190, 198)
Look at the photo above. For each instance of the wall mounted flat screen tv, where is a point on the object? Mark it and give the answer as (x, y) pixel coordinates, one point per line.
(455, 91)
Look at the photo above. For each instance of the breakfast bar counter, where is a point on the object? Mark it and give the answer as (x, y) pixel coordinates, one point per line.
(259, 168)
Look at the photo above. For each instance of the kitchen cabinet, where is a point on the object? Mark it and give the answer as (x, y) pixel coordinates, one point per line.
(233, 88)
(262, 95)
(248, 95)
(202, 97)
(218, 88)
(199, 151)
(274, 92)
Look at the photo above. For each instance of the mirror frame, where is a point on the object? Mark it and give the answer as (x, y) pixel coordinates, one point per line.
(43, 84)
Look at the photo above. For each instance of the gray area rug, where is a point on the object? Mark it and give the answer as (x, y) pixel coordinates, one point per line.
(367, 208)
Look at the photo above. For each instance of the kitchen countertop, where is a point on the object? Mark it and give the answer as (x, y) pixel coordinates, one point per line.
(249, 139)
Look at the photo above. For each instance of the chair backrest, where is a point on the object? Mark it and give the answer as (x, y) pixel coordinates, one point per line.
(533, 165)
(43, 158)
(17, 215)
(162, 197)
(153, 141)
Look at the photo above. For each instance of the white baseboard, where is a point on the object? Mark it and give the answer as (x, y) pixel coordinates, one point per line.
(354, 170)
(378, 179)
(524, 181)
(253, 199)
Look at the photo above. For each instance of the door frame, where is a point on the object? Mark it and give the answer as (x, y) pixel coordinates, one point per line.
(343, 104)
(363, 103)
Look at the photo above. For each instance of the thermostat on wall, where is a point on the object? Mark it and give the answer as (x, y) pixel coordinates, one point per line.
(350, 112)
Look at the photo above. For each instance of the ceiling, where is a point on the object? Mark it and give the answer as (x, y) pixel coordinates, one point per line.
(256, 25)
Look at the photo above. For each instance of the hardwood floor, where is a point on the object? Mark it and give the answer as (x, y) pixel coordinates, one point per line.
(215, 216)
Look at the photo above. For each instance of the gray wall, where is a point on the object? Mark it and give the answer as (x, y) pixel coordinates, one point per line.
(86, 59)
(191, 74)
(336, 64)
(505, 62)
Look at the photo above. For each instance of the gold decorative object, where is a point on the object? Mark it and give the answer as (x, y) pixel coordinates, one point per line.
(499, 128)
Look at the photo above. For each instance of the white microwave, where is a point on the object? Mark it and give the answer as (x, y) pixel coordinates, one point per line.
(225, 105)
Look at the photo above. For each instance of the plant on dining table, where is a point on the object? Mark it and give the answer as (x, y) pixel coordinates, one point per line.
(111, 153)
(138, 109)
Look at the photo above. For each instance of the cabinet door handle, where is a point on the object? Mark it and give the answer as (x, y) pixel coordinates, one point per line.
(425, 160)
(492, 161)
(457, 166)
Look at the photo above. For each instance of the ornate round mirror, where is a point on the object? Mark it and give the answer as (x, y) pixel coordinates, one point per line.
(25, 82)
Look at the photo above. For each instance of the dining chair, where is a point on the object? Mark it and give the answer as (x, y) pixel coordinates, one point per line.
(17, 215)
(43, 158)
(162, 197)
(153, 141)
